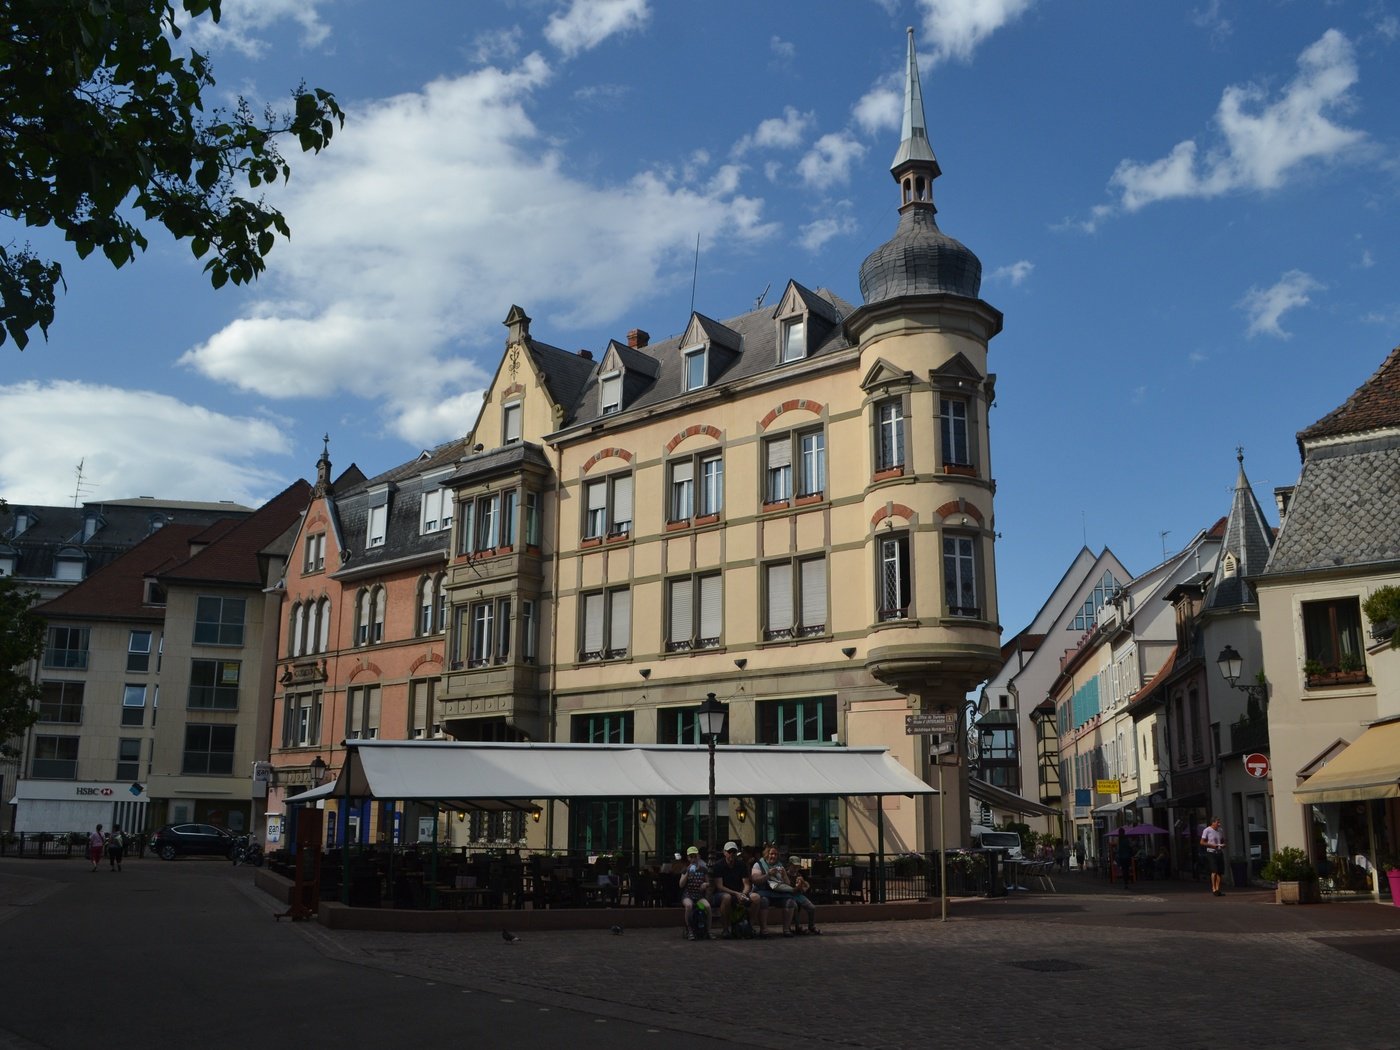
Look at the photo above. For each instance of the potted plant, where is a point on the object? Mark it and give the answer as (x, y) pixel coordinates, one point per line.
(1294, 877)
(1390, 864)
(1382, 608)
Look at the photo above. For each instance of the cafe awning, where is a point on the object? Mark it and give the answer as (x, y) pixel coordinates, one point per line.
(1368, 768)
(492, 775)
(1009, 800)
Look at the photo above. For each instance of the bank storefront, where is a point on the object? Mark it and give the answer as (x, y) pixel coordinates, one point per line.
(62, 805)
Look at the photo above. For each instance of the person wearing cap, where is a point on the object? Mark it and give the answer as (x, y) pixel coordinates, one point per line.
(730, 889)
(694, 882)
(800, 898)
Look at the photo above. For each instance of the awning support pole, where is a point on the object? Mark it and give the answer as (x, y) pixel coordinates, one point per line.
(345, 833)
(880, 841)
(432, 892)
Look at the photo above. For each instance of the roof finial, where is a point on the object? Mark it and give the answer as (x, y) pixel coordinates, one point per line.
(914, 145)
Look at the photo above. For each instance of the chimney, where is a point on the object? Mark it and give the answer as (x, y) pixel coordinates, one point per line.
(637, 339)
(587, 355)
(1283, 497)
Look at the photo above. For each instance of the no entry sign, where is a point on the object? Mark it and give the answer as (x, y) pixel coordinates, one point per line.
(1256, 765)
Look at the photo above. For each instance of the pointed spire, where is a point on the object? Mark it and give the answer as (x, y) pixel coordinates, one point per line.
(1245, 548)
(914, 148)
(323, 468)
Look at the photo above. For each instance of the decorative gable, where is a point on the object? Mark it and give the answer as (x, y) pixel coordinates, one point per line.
(707, 349)
(803, 319)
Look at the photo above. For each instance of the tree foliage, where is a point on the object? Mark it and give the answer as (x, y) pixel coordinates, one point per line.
(21, 641)
(102, 127)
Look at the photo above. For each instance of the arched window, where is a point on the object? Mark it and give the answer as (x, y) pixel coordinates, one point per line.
(297, 641)
(380, 599)
(323, 625)
(441, 621)
(425, 605)
(363, 607)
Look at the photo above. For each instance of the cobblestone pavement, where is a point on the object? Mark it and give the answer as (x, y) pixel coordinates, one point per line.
(1164, 965)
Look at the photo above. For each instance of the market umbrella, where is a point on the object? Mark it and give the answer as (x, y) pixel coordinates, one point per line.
(1138, 829)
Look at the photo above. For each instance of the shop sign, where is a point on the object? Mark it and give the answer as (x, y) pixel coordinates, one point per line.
(1108, 787)
(93, 791)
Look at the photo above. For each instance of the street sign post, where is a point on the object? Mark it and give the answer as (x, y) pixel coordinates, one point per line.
(931, 722)
(1256, 765)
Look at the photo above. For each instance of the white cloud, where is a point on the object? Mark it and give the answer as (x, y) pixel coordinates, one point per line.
(783, 50)
(242, 22)
(587, 23)
(880, 109)
(458, 207)
(1265, 306)
(1263, 143)
(829, 160)
(955, 28)
(1213, 21)
(496, 45)
(817, 233)
(1015, 273)
(154, 443)
(785, 132)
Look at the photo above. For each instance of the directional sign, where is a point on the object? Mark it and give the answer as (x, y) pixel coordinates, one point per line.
(931, 722)
(1256, 765)
(948, 748)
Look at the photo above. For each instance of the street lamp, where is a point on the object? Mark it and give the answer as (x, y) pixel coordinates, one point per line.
(318, 770)
(1231, 664)
(711, 722)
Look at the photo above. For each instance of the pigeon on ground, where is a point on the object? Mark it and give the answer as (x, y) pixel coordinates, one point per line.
(617, 930)
(509, 937)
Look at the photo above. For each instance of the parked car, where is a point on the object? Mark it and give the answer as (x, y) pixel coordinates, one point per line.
(177, 840)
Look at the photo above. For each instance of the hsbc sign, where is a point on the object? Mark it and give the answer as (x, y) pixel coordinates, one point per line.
(94, 791)
(1256, 765)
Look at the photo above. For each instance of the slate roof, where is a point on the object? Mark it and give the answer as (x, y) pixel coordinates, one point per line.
(1375, 405)
(1345, 509)
(402, 537)
(564, 374)
(920, 259)
(748, 345)
(1249, 537)
(122, 524)
(116, 592)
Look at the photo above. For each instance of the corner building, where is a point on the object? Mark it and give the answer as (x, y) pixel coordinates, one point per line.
(791, 509)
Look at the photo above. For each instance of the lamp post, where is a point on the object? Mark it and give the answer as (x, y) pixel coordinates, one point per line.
(711, 722)
(318, 770)
(1231, 664)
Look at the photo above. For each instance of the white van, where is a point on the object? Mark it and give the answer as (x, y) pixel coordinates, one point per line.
(991, 838)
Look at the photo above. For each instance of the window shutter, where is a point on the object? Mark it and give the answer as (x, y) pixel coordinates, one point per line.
(621, 624)
(779, 597)
(372, 722)
(622, 500)
(779, 453)
(814, 592)
(681, 628)
(711, 607)
(597, 495)
(592, 623)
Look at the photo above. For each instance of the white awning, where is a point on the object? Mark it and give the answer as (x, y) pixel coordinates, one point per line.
(993, 795)
(510, 775)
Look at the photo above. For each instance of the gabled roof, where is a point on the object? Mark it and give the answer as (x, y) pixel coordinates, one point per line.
(565, 375)
(116, 591)
(1375, 405)
(235, 557)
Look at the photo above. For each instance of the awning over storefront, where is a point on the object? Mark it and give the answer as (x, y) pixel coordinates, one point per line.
(1003, 799)
(1368, 768)
(516, 775)
(1112, 807)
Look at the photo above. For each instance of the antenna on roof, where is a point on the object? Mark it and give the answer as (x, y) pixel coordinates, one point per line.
(1164, 534)
(762, 295)
(695, 275)
(81, 488)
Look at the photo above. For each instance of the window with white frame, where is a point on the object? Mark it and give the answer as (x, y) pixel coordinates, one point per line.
(605, 624)
(315, 559)
(533, 525)
(694, 368)
(695, 606)
(138, 651)
(437, 510)
(794, 339)
(960, 575)
(896, 590)
(321, 625)
(689, 499)
(795, 598)
(422, 708)
(529, 630)
(777, 475)
(219, 621)
(952, 431)
(301, 720)
(889, 434)
(607, 506)
(806, 449)
(610, 393)
(512, 415)
(296, 630)
(362, 711)
(376, 525)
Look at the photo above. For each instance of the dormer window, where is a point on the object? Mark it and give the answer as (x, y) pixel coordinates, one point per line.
(510, 423)
(695, 368)
(69, 564)
(22, 522)
(793, 338)
(610, 394)
(7, 562)
(377, 520)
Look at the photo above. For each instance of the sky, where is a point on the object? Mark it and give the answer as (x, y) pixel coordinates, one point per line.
(1186, 212)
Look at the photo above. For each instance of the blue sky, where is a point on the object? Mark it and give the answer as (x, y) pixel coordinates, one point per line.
(1186, 212)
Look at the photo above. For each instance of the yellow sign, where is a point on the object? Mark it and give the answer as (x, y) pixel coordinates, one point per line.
(1108, 787)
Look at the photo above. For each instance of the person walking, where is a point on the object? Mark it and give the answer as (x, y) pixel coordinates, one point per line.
(1079, 855)
(1213, 842)
(116, 848)
(1125, 856)
(95, 846)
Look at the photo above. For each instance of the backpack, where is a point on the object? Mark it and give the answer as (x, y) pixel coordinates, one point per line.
(117, 841)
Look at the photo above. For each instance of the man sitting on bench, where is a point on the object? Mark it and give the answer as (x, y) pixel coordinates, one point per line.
(732, 892)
